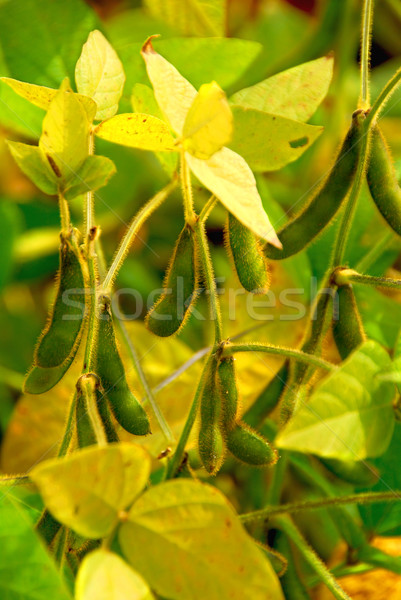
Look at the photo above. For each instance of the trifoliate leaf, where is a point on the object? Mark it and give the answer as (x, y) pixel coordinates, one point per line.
(137, 130)
(32, 162)
(93, 174)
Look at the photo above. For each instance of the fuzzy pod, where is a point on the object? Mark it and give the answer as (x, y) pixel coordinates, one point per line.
(358, 473)
(249, 447)
(227, 387)
(47, 527)
(62, 332)
(268, 399)
(108, 366)
(247, 256)
(105, 416)
(85, 432)
(382, 181)
(324, 204)
(210, 441)
(348, 329)
(169, 313)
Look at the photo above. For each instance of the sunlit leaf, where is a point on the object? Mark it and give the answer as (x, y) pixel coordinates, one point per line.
(105, 576)
(65, 134)
(32, 162)
(27, 571)
(295, 93)
(349, 415)
(185, 538)
(86, 490)
(209, 123)
(229, 178)
(195, 17)
(41, 96)
(137, 131)
(100, 75)
(269, 142)
(93, 174)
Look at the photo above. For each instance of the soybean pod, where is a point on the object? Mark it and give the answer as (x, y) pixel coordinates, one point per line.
(41, 379)
(382, 181)
(169, 313)
(348, 329)
(86, 435)
(62, 331)
(324, 204)
(227, 387)
(247, 256)
(108, 366)
(211, 441)
(248, 446)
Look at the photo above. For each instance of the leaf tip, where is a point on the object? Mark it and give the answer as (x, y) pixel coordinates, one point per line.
(147, 48)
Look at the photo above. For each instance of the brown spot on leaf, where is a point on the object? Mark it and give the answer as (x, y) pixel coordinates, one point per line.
(53, 165)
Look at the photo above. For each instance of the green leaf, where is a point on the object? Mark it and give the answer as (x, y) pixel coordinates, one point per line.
(185, 538)
(195, 17)
(209, 122)
(87, 489)
(94, 173)
(42, 96)
(65, 135)
(100, 75)
(349, 415)
(32, 162)
(26, 569)
(269, 142)
(105, 576)
(295, 93)
(228, 177)
(10, 225)
(137, 130)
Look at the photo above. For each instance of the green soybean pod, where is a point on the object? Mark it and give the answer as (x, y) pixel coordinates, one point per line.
(249, 447)
(105, 416)
(108, 366)
(268, 399)
(210, 441)
(382, 181)
(348, 329)
(358, 473)
(66, 318)
(227, 387)
(85, 432)
(247, 256)
(170, 311)
(324, 204)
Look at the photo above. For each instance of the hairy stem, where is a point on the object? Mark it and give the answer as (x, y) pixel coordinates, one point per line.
(136, 223)
(344, 276)
(278, 350)
(64, 214)
(383, 98)
(367, 20)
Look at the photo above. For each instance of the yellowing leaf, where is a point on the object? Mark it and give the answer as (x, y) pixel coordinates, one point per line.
(65, 134)
(295, 93)
(191, 17)
(137, 131)
(100, 75)
(42, 96)
(174, 94)
(269, 142)
(185, 538)
(103, 575)
(86, 490)
(229, 178)
(32, 162)
(209, 123)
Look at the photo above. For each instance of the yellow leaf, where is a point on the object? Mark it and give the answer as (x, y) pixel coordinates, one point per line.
(42, 96)
(209, 122)
(65, 134)
(137, 131)
(86, 490)
(228, 177)
(103, 575)
(174, 94)
(100, 75)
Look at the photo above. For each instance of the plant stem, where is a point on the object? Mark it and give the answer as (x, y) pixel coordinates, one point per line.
(92, 322)
(136, 223)
(350, 276)
(383, 97)
(215, 314)
(64, 214)
(278, 350)
(288, 527)
(295, 507)
(206, 210)
(176, 459)
(187, 194)
(65, 442)
(88, 205)
(149, 396)
(367, 20)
